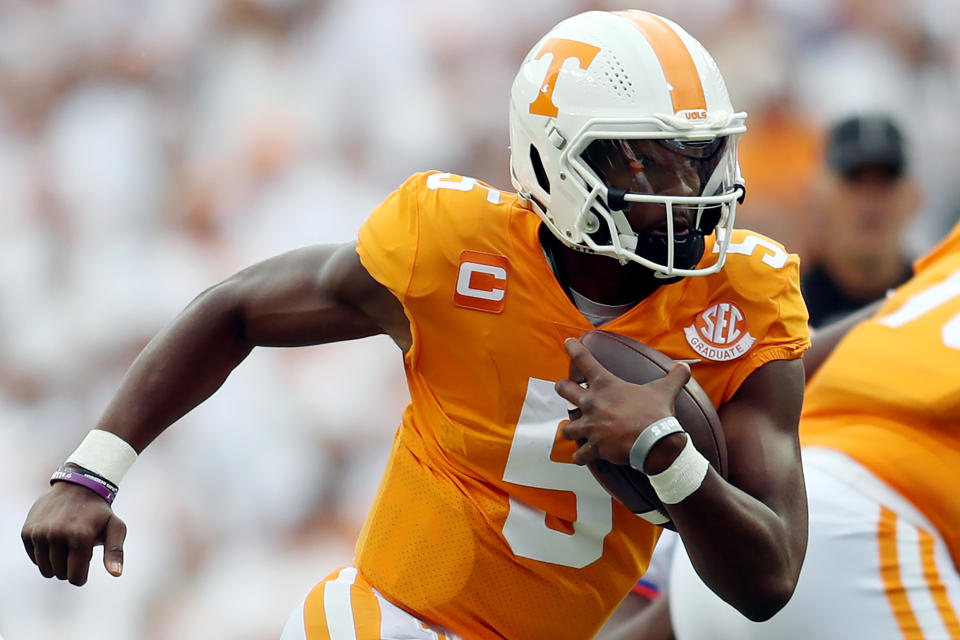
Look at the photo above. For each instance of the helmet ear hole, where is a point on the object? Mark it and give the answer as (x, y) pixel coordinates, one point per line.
(538, 169)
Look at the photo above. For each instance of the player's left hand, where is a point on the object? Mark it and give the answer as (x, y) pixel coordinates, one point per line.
(63, 527)
(612, 411)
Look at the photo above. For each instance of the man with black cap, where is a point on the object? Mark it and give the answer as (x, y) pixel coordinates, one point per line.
(862, 204)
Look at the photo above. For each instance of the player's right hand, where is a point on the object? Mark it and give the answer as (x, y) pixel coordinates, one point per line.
(613, 411)
(63, 527)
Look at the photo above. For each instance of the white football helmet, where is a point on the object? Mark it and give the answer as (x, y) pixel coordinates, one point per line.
(612, 108)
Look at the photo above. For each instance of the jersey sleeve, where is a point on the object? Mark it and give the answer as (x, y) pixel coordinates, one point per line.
(389, 240)
(788, 335)
(772, 296)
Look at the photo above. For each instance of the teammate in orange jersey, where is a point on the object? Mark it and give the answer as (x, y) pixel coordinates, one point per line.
(624, 156)
(882, 463)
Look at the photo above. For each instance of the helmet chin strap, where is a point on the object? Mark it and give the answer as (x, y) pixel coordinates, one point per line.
(686, 252)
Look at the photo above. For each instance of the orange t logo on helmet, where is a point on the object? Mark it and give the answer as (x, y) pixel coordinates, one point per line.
(562, 50)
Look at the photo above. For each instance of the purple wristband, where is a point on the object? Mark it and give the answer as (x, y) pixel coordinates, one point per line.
(96, 485)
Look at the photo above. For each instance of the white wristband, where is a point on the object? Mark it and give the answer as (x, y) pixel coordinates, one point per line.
(106, 454)
(682, 477)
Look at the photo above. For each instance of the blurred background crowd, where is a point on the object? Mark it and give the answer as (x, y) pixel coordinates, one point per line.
(149, 148)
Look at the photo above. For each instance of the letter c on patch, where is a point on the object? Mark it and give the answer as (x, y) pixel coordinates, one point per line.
(468, 286)
(481, 282)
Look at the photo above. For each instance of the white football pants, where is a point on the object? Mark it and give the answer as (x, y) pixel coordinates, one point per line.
(875, 569)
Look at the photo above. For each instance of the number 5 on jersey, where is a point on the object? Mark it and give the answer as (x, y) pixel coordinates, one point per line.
(529, 464)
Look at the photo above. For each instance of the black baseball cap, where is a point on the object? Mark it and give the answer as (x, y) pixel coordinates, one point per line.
(861, 141)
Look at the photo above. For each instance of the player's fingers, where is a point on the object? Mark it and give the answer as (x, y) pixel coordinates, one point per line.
(113, 537)
(41, 555)
(586, 453)
(58, 558)
(28, 544)
(582, 361)
(572, 392)
(678, 376)
(78, 560)
(574, 430)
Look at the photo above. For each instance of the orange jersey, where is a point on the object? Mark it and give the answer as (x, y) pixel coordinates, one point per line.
(482, 523)
(889, 395)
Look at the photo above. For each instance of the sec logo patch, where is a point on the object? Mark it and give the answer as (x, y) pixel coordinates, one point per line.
(481, 281)
(720, 333)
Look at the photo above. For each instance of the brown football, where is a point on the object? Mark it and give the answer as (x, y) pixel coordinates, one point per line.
(639, 363)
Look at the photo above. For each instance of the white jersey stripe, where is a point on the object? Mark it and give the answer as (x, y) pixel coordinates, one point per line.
(911, 576)
(338, 607)
(935, 559)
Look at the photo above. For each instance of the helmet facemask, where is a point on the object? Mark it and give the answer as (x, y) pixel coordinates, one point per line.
(653, 200)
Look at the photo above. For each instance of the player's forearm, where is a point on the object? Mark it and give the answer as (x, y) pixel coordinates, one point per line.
(180, 367)
(742, 549)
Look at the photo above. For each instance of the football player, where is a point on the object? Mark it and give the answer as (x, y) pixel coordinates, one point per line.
(486, 524)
